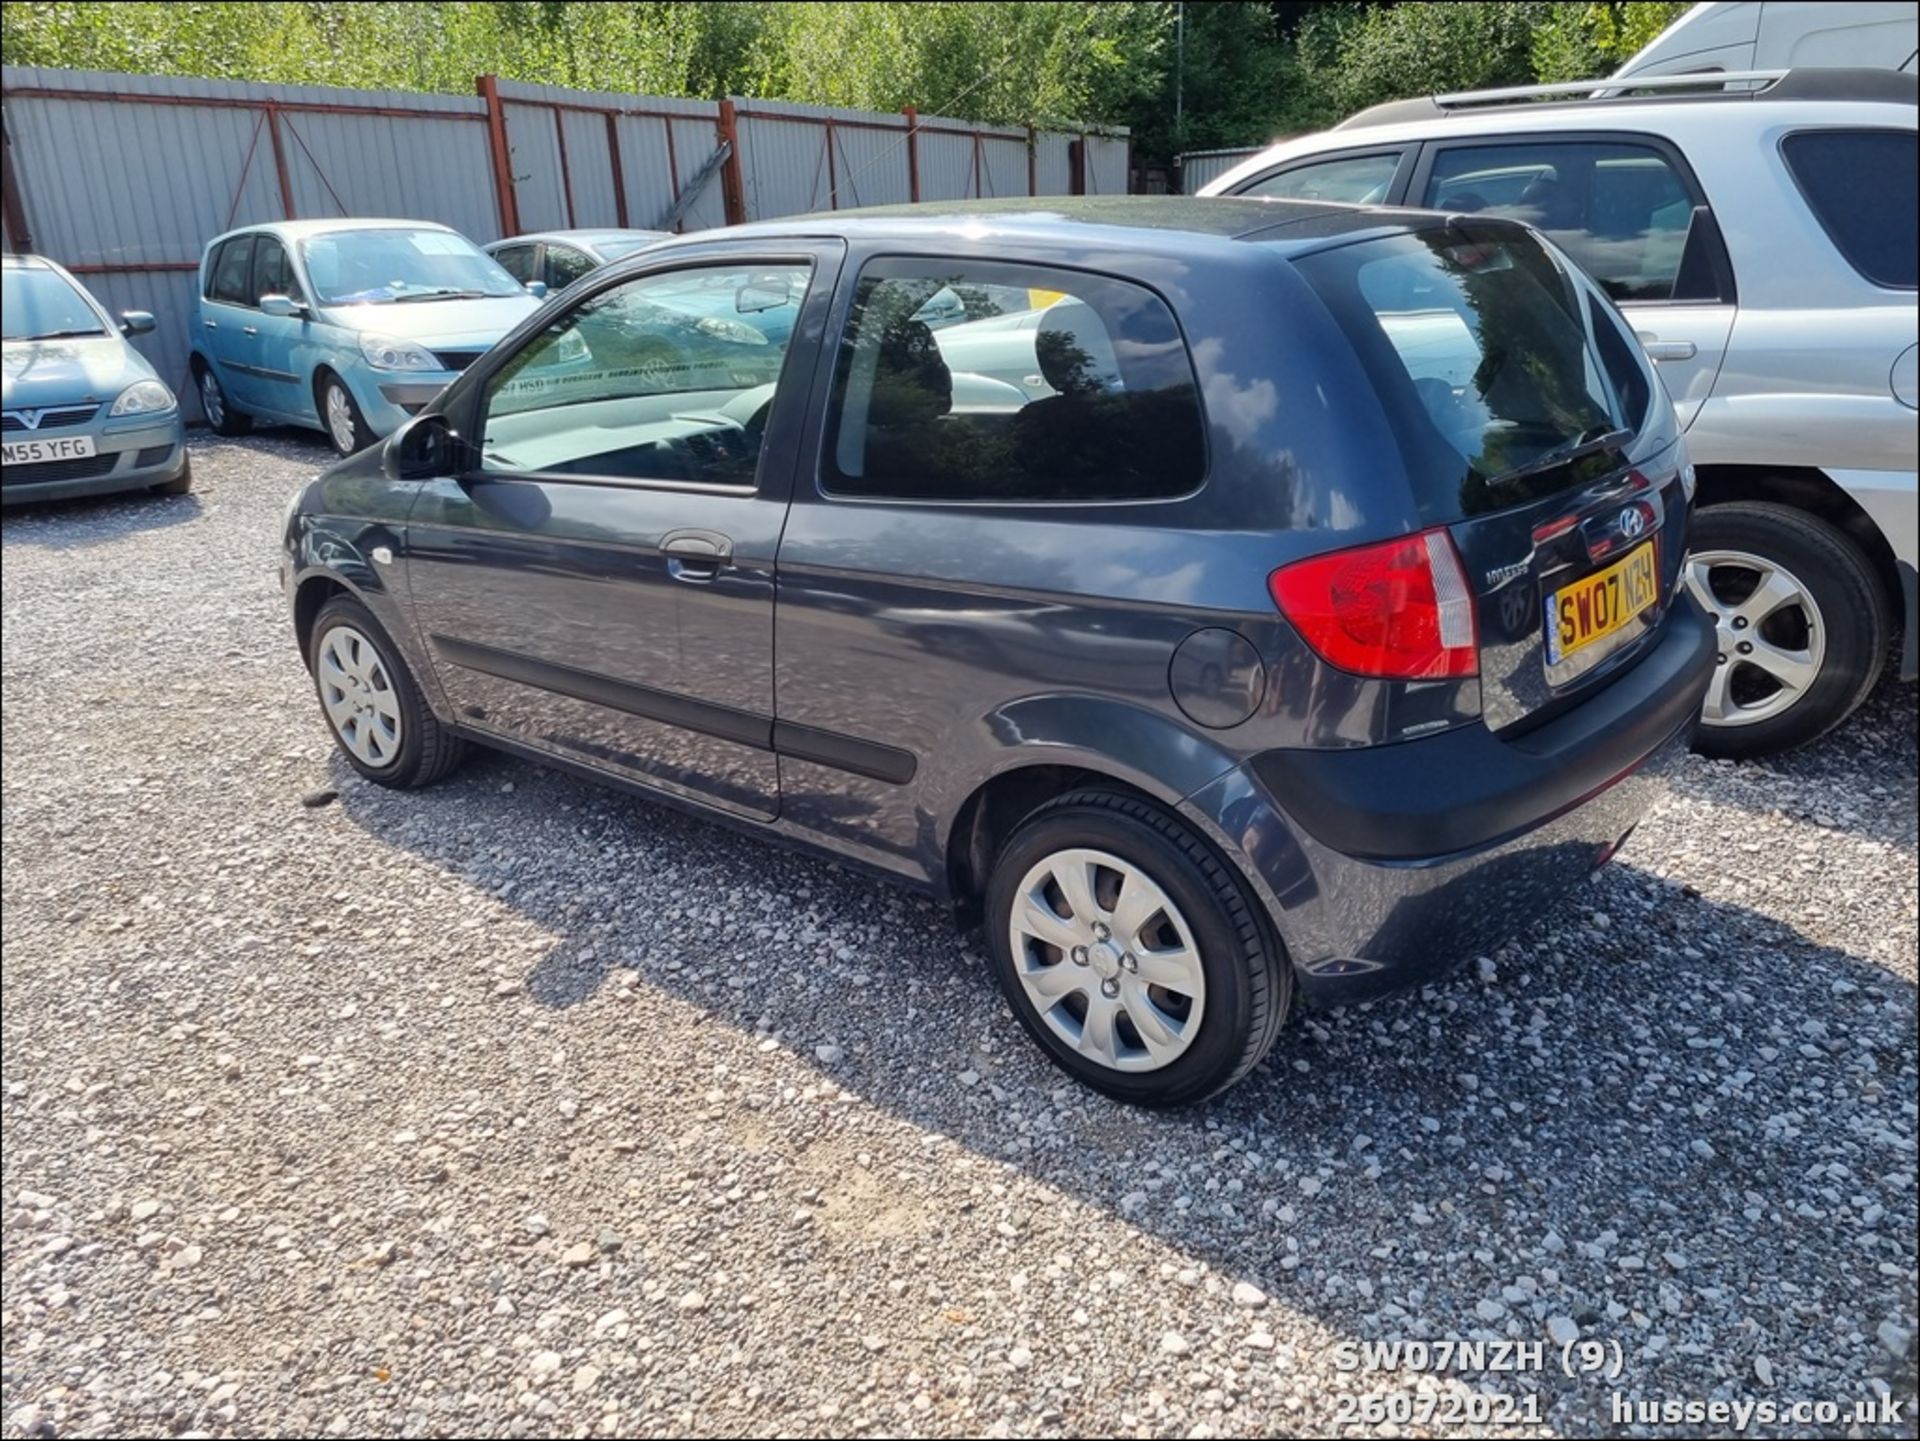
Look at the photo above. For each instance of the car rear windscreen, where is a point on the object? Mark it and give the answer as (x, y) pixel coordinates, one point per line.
(1478, 345)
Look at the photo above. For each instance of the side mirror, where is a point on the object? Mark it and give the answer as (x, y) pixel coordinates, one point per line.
(425, 448)
(537, 289)
(136, 322)
(281, 307)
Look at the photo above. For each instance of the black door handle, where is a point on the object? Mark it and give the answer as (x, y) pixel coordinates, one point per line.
(696, 555)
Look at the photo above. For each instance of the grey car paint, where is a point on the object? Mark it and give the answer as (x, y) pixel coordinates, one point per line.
(917, 652)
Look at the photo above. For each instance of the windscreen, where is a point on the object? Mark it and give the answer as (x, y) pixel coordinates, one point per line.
(393, 265)
(1479, 347)
(41, 305)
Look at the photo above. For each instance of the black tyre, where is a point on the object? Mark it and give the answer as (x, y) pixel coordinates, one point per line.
(372, 703)
(340, 416)
(222, 418)
(1131, 952)
(1803, 626)
(181, 485)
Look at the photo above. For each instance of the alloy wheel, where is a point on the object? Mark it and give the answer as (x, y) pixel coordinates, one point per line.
(340, 418)
(212, 400)
(1772, 638)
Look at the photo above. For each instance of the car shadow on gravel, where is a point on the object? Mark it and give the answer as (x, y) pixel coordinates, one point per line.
(1647, 1105)
(1857, 779)
(94, 520)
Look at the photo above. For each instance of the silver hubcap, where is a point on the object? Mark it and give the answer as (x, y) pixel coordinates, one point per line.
(1772, 638)
(1107, 960)
(357, 693)
(211, 400)
(340, 419)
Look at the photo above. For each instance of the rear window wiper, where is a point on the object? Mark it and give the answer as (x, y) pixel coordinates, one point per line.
(1588, 442)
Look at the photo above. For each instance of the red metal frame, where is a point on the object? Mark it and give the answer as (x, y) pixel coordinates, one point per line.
(504, 198)
(280, 161)
(913, 152)
(619, 178)
(733, 187)
(566, 172)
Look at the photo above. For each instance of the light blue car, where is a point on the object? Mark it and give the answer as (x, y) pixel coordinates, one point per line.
(81, 411)
(345, 326)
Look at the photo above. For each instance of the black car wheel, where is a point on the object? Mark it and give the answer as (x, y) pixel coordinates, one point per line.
(222, 418)
(372, 702)
(1131, 952)
(1802, 623)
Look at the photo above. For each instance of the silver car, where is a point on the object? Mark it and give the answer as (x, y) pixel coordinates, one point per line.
(1761, 238)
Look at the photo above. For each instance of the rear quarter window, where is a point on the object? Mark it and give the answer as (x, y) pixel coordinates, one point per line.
(1861, 186)
(974, 381)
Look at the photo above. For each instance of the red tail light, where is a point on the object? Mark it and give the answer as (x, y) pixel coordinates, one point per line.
(1399, 610)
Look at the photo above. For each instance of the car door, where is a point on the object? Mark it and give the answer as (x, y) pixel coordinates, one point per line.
(1628, 210)
(598, 584)
(230, 324)
(279, 383)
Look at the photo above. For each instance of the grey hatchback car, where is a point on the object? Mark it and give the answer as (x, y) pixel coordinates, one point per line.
(1294, 610)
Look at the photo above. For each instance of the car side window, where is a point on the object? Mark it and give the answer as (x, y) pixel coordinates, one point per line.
(1060, 387)
(230, 272)
(1621, 357)
(517, 261)
(272, 270)
(1862, 189)
(1620, 210)
(668, 377)
(1349, 179)
(565, 265)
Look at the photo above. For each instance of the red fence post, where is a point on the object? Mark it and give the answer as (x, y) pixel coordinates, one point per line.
(733, 187)
(280, 160)
(488, 87)
(913, 151)
(566, 171)
(833, 174)
(619, 180)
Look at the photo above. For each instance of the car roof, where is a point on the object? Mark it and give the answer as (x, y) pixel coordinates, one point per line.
(26, 262)
(1657, 92)
(302, 229)
(580, 237)
(1162, 224)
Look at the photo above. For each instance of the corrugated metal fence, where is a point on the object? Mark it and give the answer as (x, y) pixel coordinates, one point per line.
(124, 178)
(1197, 167)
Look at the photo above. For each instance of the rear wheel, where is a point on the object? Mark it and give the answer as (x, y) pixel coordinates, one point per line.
(1131, 953)
(340, 414)
(372, 702)
(1802, 626)
(222, 418)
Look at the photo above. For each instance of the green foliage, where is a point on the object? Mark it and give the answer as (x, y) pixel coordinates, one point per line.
(1247, 71)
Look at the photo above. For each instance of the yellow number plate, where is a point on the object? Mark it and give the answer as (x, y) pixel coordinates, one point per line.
(1600, 604)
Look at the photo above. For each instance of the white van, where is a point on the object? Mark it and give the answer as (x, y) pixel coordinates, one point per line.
(1802, 33)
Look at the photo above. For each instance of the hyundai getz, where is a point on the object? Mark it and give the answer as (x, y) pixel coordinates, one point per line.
(1302, 615)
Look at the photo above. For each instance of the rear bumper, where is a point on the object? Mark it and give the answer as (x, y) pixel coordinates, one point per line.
(127, 460)
(1385, 867)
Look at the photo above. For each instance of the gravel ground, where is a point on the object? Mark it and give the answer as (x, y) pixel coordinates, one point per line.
(523, 1108)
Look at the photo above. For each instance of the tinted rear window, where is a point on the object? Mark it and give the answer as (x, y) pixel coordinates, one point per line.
(1479, 347)
(1862, 187)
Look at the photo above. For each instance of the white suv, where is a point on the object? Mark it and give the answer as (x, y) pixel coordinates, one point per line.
(1761, 239)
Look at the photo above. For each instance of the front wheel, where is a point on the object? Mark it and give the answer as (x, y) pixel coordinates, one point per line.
(372, 703)
(346, 427)
(181, 484)
(1131, 952)
(1802, 626)
(222, 418)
